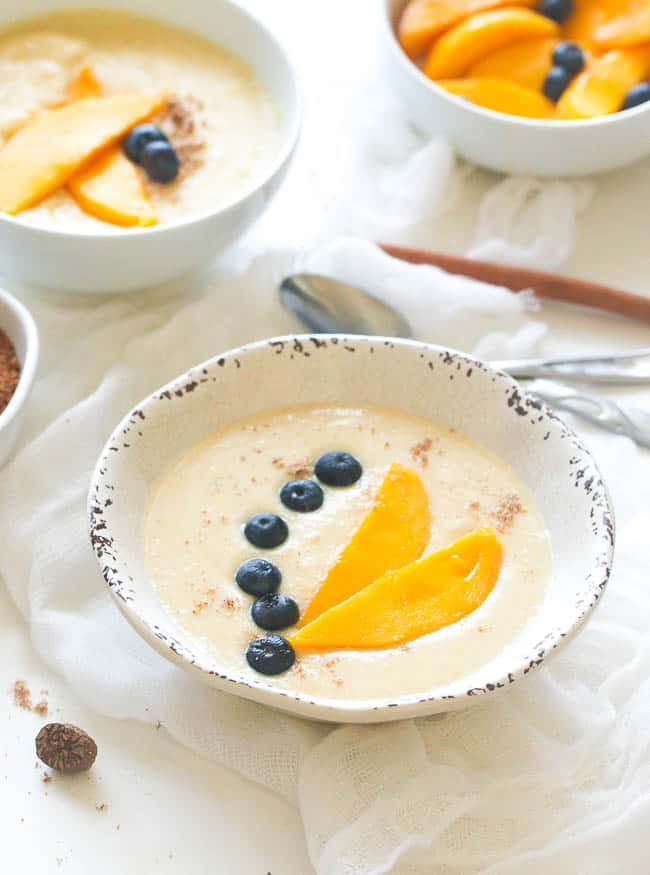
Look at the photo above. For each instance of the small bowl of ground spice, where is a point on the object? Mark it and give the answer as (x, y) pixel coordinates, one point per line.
(18, 362)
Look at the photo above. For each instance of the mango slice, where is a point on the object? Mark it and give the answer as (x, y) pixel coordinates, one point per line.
(49, 150)
(84, 84)
(470, 41)
(413, 601)
(502, 95)
(623, 31)
(394, 532)
(111, 189)
(601, 88)
(527, 63)
(423, 20)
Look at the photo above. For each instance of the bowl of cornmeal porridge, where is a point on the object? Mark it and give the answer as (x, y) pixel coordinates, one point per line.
(351, 529)
(136, 145)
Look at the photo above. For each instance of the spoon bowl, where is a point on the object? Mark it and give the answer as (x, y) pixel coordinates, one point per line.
(329, 306)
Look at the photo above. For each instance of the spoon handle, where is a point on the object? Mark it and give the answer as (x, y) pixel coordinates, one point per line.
(545, 285)
(615, 369)
(623, 420)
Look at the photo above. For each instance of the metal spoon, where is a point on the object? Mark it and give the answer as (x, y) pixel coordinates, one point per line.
(329, 306)
(326, 305)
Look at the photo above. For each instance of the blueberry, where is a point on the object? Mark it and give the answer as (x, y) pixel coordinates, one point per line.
(557, 10)
(275, 611)
(569, 56)
(338, 469)
(637, 95)
(266, 530)
(139, 137)
(160, 161)
(258, 577)
(301, 495)
(555, 83)
(270, 655)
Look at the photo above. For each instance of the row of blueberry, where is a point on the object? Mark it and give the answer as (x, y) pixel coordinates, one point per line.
(271, 610)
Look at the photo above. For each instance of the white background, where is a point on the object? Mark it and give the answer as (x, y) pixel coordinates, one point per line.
(166, 810)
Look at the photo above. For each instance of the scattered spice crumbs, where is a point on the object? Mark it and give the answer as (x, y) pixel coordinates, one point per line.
(22, 695)
(198, 607)
(299, 469)
(475, 505)
(507, 509)
(230, 604)
(420, 451)
(46, 778)
(101, 806)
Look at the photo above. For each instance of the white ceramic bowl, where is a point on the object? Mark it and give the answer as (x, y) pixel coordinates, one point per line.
(119, 261)
(408, 376)
(508, 143)
(18, 325)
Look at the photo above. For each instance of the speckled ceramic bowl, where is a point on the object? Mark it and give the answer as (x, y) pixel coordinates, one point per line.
(416, 378)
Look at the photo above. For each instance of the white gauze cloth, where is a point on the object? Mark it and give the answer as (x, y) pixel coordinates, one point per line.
(536, 778)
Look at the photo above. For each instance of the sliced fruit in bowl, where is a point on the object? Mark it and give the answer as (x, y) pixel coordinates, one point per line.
(467, 43)
(502, 96)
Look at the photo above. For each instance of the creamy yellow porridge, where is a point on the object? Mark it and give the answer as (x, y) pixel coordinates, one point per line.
(195, 541)
(220, 119)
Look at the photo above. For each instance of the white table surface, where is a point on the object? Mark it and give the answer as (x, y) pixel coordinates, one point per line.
(166, 810)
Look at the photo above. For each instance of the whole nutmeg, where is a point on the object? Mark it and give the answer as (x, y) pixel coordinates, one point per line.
(65, 748)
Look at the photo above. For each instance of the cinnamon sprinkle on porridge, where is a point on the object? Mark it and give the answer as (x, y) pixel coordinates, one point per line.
(507, 509)
(420, 451)
(22, 695)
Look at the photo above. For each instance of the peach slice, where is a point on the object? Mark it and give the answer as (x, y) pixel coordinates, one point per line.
(110, 188)
(501, 95)
(50, 149)
(624, 31)
(588, 16)
(394, 533)
(415, 600)
(470, 41)
(84, 84)
(601, 88)
(527, 63)
(423, 20)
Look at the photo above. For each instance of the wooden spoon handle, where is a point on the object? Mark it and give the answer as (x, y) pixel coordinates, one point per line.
(546, 285)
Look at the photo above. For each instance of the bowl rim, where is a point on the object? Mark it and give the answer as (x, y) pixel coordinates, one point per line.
(29, 365)
(357, 710)
(294, 122)
(419, 78)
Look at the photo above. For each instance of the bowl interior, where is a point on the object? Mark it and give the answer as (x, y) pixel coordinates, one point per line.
(415, 378)
(18, 325)
(228, 25)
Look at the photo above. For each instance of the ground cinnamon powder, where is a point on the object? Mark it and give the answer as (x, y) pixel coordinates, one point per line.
(9, 370)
